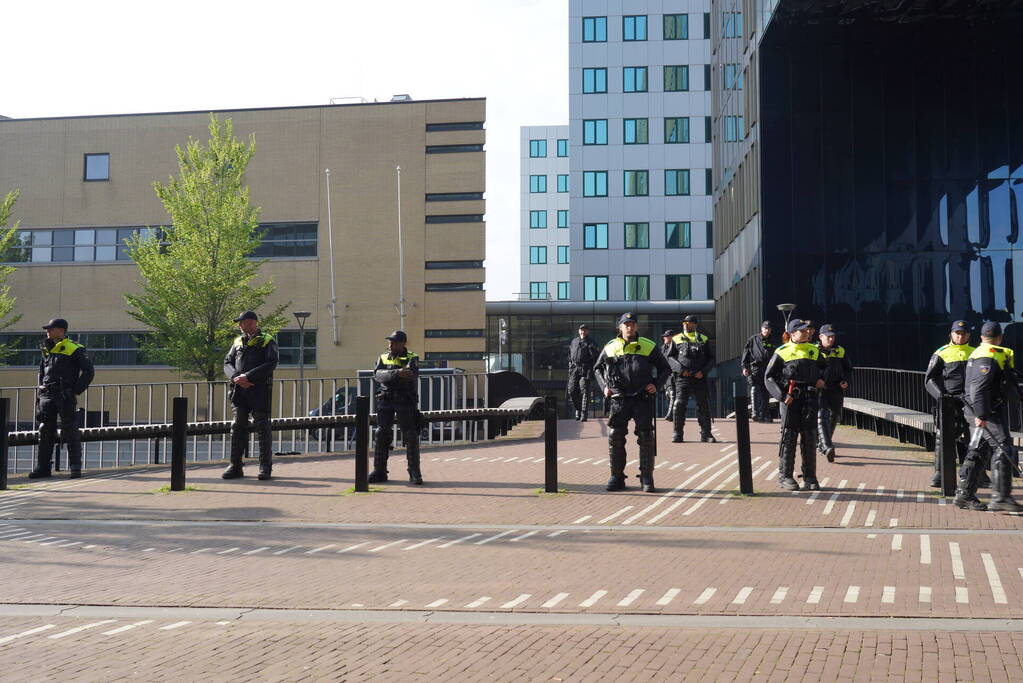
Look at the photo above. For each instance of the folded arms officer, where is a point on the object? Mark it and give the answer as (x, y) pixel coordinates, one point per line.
(397, 375)
(695, 360)
(582, 354)
(249, 366)
(758, 350)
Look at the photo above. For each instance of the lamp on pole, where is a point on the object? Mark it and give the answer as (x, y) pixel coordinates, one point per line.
(786, 310)
(401, 260)
(301, 317)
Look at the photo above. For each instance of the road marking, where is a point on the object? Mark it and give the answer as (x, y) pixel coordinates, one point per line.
(555, 600)
(175, 625)
(888, 595)
(467, 458)
(569, 460)
(880, 491)
(893, 522)
(145, 550)
(815, 595)
(1021, 572)
(592, 600)
(870, 518)
(580, 462)
(620, 512)
(257, 550)
(175, 550)
(582, 519)
(941, 501)
(387, 545)
(659, 466)
(669, 596)
(459, 540)
(742, 595)
(68, 545)
(962, 595)
(665, 497)
(676, 466)
(525, 535)
(997, 591)
(925, 549)
(223, 552)
(925, 594)
(871, 535)
(848, 513)
(692, 467)
(556, 533)
(345, 550)
(852, 594)
(630, 598)
(479, 601)
(86, 547)
(316, 550)
(919, 497)
(706, 595)
(129, 627)
(436, 603)
(831, 503)
(79, 629)
(497, 536)
(813, 496)
(422, 543)
(194, 552)
(631, 463)
(287, 550)
(517, 601)
(896, 541)
(31, 537)
(957, 561)
(681, 499)
(398, 603)
(725, 448)
(779, 595)
(33, 631)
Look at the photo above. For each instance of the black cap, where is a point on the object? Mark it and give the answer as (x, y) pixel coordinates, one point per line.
(960, 326)
(397, 336)
(629, 317)
(690, 319)
(583, 327)
(810, 323)
(56, 322)
(247, 315)
(796, 324)
(668, 333)
(991, 329)
(766, 323)
(828, 328)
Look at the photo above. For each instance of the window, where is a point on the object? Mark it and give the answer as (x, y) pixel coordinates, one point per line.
(562, 182)
(710, 285)
(537, 219)
(594, 183)
(734, 128)
(677, 235)
(454, 125)
(710, 234)
(452, 355)
(454, 286)
(537, 183)
(634, 28)
(97, 167)
(595, 288)
(562, 147)
(452, 265)
(676, 78)
(562, 218)
(538, 290)
(454, 333)
(453, 149)
(708, 179)
(678, 287)
(706, 25)
(456, 218)
(706, 128)
(285, 240)
(676, 182)
(676, 129)
(706, 76)
(594, 29)
(537, 148)
(634, 79)
(562, 291)
(635, 131)
(538, 255)
(595, 131)
(105, 348)
(637, 183)
(731, 25)
(289, 345)
(595, 80)
(732, 77)
(453, 196)
(637, 235)
(637, 287)
(676, 26)
(595, 236)
(562, 254)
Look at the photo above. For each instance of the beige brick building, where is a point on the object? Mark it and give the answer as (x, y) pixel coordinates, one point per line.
(86, 183)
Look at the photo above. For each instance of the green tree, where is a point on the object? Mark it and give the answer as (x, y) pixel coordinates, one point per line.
(8, 239)
(196, 276)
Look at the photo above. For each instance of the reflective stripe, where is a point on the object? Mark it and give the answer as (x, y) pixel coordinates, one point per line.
(790, 352)
(399, 360)
(954, 353)
(617, 347)
(259, 339)
(694, 337)
(999, 354)
(837, 352)
(64, 347)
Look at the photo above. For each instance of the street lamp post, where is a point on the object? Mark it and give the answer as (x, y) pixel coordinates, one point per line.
(786, 310)
(301, 317)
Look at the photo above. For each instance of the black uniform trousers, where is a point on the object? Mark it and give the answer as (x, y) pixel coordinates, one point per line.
(404, 410)
(799, 423)
(1004, 460)
(253, 402)
(51, 405)
(641, 409)
(829, 413)
(758, 392)
(697, 388)
(579, 382)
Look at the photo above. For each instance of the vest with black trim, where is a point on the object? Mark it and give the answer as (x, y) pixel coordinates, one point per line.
(398, 387)
(837, 364)
(692, 350)
(990, 371)
(65, 364)
(255, 357)
(629, 365)
(802, 363)
(953, 359)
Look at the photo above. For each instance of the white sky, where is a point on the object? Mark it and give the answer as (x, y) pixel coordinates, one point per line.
(109, 57)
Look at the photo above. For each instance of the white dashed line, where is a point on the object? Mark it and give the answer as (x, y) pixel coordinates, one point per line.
(962, 595)
(779, 595)
(257, 550)
(669, 596)
(871, 514)
(957, 561)
(422, 543)
(900, 493)
(437, 603)
(525, 535)
(620, 512)
(517, 601)
(479, 601)
(349, 548)
(582, 519)
(592, 600)
(557, 533)
(286, 550)
(997, 591)
(888, 595)
(831, 502)
(741, 597)
(398, 603)
(848, 513)
(496, 536)
(815, 595)
(459, 540)
(555, 600)
(322, 547)
(129, 627)
(630, 598)
(706, 595)
(893, 522)
(30, 632)
(79, 629)
(175, 625)
(387, 545)
(228, 551)
(194, 552)
(925, 594)
(896, 541)
(852, 594)
(925, 549)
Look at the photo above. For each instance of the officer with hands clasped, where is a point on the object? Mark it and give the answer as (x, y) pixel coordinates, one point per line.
(755, 354)
(65, 371)
(694, 359)
(837, 374)
(631, 369)
(397, 375)
(582, 354)
(250, 365)
(946, 376)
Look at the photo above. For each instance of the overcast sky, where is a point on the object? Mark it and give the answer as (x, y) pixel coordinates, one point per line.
(71, 58)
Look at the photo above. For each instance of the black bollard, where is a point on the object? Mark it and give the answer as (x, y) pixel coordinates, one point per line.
(947, 419)
(179, 424)
(550, 444)
(362, 444)
(742, 439)
(4, 404)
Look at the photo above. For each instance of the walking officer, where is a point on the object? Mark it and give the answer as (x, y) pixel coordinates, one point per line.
(249, 365)
(695, 359)
(669, 387)
(832, 397)
(758, 350)
(946, 376)
(65, 371)
(582, 354)
(990, 378)
(630, 371)
(397, 376)
(794, 375)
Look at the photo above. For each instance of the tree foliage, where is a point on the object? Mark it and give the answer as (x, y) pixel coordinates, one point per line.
(8, 238)
(197, 276)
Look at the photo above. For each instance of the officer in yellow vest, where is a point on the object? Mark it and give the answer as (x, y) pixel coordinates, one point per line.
(692, 360)
(631, 370)
(65, 371)
(990, 378)
(249, 366)
(946, 376)
(837, 374)
(397, 375)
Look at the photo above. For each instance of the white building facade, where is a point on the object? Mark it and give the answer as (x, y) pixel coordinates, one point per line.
(544, 222)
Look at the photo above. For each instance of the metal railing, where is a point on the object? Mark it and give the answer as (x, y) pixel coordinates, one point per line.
(901, 388)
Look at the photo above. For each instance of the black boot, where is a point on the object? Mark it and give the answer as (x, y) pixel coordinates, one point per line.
(44, 457)
(583, 415)
(616, 453)
(824, 444)
(677, 436)
(708, 438)
(380, 453)
(265, 467)
(1001, 485)
(966, 493)
(787, 460)
(578, 415)
(415, 476)
(809, 462)
(936, 477)
(647, 455)
(234, 470)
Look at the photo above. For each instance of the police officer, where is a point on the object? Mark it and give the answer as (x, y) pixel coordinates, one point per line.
(758, 350)
(990, 377)
(65, 371)
(397, 376)
(630, 371)
(946, 376)
(582, 354)
(694, 359)
(669, 387)
(832, 397)
(794, 375)
(249, 365)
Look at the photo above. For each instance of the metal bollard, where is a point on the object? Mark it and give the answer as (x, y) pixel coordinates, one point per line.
(4, 405)
(179, 424)
(362, 444)
(742, 439)
(550, 444)
(947, 418)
